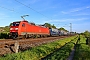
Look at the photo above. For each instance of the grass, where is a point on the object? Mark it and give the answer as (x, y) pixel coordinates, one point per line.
(82, 50)
(36, 53)
(62, 53)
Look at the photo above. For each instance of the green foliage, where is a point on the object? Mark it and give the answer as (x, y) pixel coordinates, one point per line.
(49, 25)
(4, 32)
(62, 53)
(36, 53)
(53, 26)
(87, 34)
(10, 24)
(5, 29)
(4, 35)
(82, 50)
(89, 41)
(63, 29)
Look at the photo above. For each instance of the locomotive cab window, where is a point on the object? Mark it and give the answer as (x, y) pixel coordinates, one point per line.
(23, 25)
(15, 24)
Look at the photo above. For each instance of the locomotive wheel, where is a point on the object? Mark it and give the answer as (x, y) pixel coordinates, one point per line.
(34, 36)
(14, 37)
(25, 36)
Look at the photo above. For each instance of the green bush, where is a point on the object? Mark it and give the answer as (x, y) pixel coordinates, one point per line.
(4, 35)
(82, 50)
(87, 34)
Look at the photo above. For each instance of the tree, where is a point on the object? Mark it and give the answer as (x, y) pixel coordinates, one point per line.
(87, 34)
(6, 28)
(10, 24)
(53, 26)
(63, 29)
(48, 25)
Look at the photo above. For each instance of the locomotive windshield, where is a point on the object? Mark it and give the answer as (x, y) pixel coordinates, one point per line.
(15, 24)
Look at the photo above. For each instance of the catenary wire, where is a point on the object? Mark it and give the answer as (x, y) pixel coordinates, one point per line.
(32, 9)
(10, 9)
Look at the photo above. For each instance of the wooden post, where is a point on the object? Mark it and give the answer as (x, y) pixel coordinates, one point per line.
(16, 46)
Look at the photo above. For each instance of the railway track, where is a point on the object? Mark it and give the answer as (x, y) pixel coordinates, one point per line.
(8, 45)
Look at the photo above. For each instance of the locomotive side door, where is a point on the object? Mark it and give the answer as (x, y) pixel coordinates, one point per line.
(23, 28)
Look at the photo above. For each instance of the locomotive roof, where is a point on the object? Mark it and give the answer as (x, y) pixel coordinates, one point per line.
(17, 22)
(21, 21)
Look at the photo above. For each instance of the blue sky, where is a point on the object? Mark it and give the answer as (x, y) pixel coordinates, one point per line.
(58, 12)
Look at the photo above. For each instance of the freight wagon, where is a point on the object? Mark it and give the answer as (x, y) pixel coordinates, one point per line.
(63, 33)
(54, 32)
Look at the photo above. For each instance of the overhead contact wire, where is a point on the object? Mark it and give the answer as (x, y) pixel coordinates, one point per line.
(10, 9)
(31, 8)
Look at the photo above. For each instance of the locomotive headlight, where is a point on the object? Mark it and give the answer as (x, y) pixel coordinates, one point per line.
(16, 28)
(11, 28)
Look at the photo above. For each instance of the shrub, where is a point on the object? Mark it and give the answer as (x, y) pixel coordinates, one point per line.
(4, 35)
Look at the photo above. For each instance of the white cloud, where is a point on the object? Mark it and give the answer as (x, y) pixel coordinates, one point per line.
(75, 10)
(66, 20)
(88, 7)
(80, 14)
(49, 21)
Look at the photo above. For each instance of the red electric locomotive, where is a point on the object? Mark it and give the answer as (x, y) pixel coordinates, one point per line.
(26, 29)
